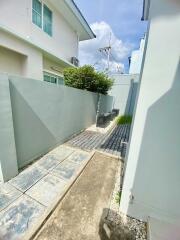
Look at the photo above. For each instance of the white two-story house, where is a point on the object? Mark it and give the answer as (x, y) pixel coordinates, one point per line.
(39, 38)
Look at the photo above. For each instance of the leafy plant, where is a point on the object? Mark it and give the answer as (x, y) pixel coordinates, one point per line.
(118, 197)
(87, 78)
(125, 119)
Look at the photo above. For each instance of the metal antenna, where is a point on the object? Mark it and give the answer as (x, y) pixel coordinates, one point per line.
(107, 51)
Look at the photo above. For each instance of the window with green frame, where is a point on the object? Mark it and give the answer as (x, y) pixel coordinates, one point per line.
(52, 78)
(37, 13)
(47, 20)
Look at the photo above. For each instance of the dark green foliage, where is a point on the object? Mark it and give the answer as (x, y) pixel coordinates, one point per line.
(87, 78)
(125, 119)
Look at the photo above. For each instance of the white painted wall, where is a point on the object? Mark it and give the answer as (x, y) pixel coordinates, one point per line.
(136, 59)
(124, 91)
(11, 62)
(17, 16)
(52, 66)
(153, 163)
(32, 65)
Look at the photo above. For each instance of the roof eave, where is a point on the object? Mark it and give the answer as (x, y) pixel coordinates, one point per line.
(76, 11)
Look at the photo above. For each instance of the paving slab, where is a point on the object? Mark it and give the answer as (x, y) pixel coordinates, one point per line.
(62, 152)
(78, 215)
(8, 194)
(26, 199)
(47, 190)
(65, 170)
(28, 178)
(19, 217)
(48, 162)
(78, 157)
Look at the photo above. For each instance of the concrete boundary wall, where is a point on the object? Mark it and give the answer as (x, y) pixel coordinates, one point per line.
(124, 91)
(8, 160)
(105, 103)
(36, 116)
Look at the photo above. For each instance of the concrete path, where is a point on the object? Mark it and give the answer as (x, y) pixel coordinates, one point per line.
(26, 199)
(112, 142)
(78, 215)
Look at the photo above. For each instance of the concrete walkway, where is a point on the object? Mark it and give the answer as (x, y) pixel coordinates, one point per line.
(26, 199)
(78, 215)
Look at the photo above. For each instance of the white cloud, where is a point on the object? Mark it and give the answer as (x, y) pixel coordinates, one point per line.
(89, 53)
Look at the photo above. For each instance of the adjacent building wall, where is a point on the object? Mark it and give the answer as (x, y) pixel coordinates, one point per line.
(137, 58)
(124, 91)
(151, 185)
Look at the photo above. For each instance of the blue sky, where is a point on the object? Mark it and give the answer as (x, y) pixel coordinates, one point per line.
(120, 17)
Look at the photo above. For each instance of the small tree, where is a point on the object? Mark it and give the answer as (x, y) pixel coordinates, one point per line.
(87, 78)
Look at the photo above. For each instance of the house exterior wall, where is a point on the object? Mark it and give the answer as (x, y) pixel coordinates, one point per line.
(32, 65)
(52, 66)
(151, 184)
(17, 16)
(11, 62)
(124, 91)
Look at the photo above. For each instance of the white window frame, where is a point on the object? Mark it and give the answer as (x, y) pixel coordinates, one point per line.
(50, 73)
(44, 4)
(42, 14)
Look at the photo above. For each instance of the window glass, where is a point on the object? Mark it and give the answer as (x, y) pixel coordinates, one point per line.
(37, 13)
(52, 78)
(47, 20)
(60, 80)
(47, 78)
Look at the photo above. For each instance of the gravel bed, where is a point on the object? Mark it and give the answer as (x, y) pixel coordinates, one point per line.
(137, 228)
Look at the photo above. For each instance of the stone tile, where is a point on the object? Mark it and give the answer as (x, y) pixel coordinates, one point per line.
(62, 152)
(8, 194)
(28, 178)
(19, 217)
(65, 170)
(79, 157)
(47, 189)
(48, 162)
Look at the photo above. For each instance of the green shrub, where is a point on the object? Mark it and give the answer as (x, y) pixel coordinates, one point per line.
(118, 197)
(87, 78)
(125, 119)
